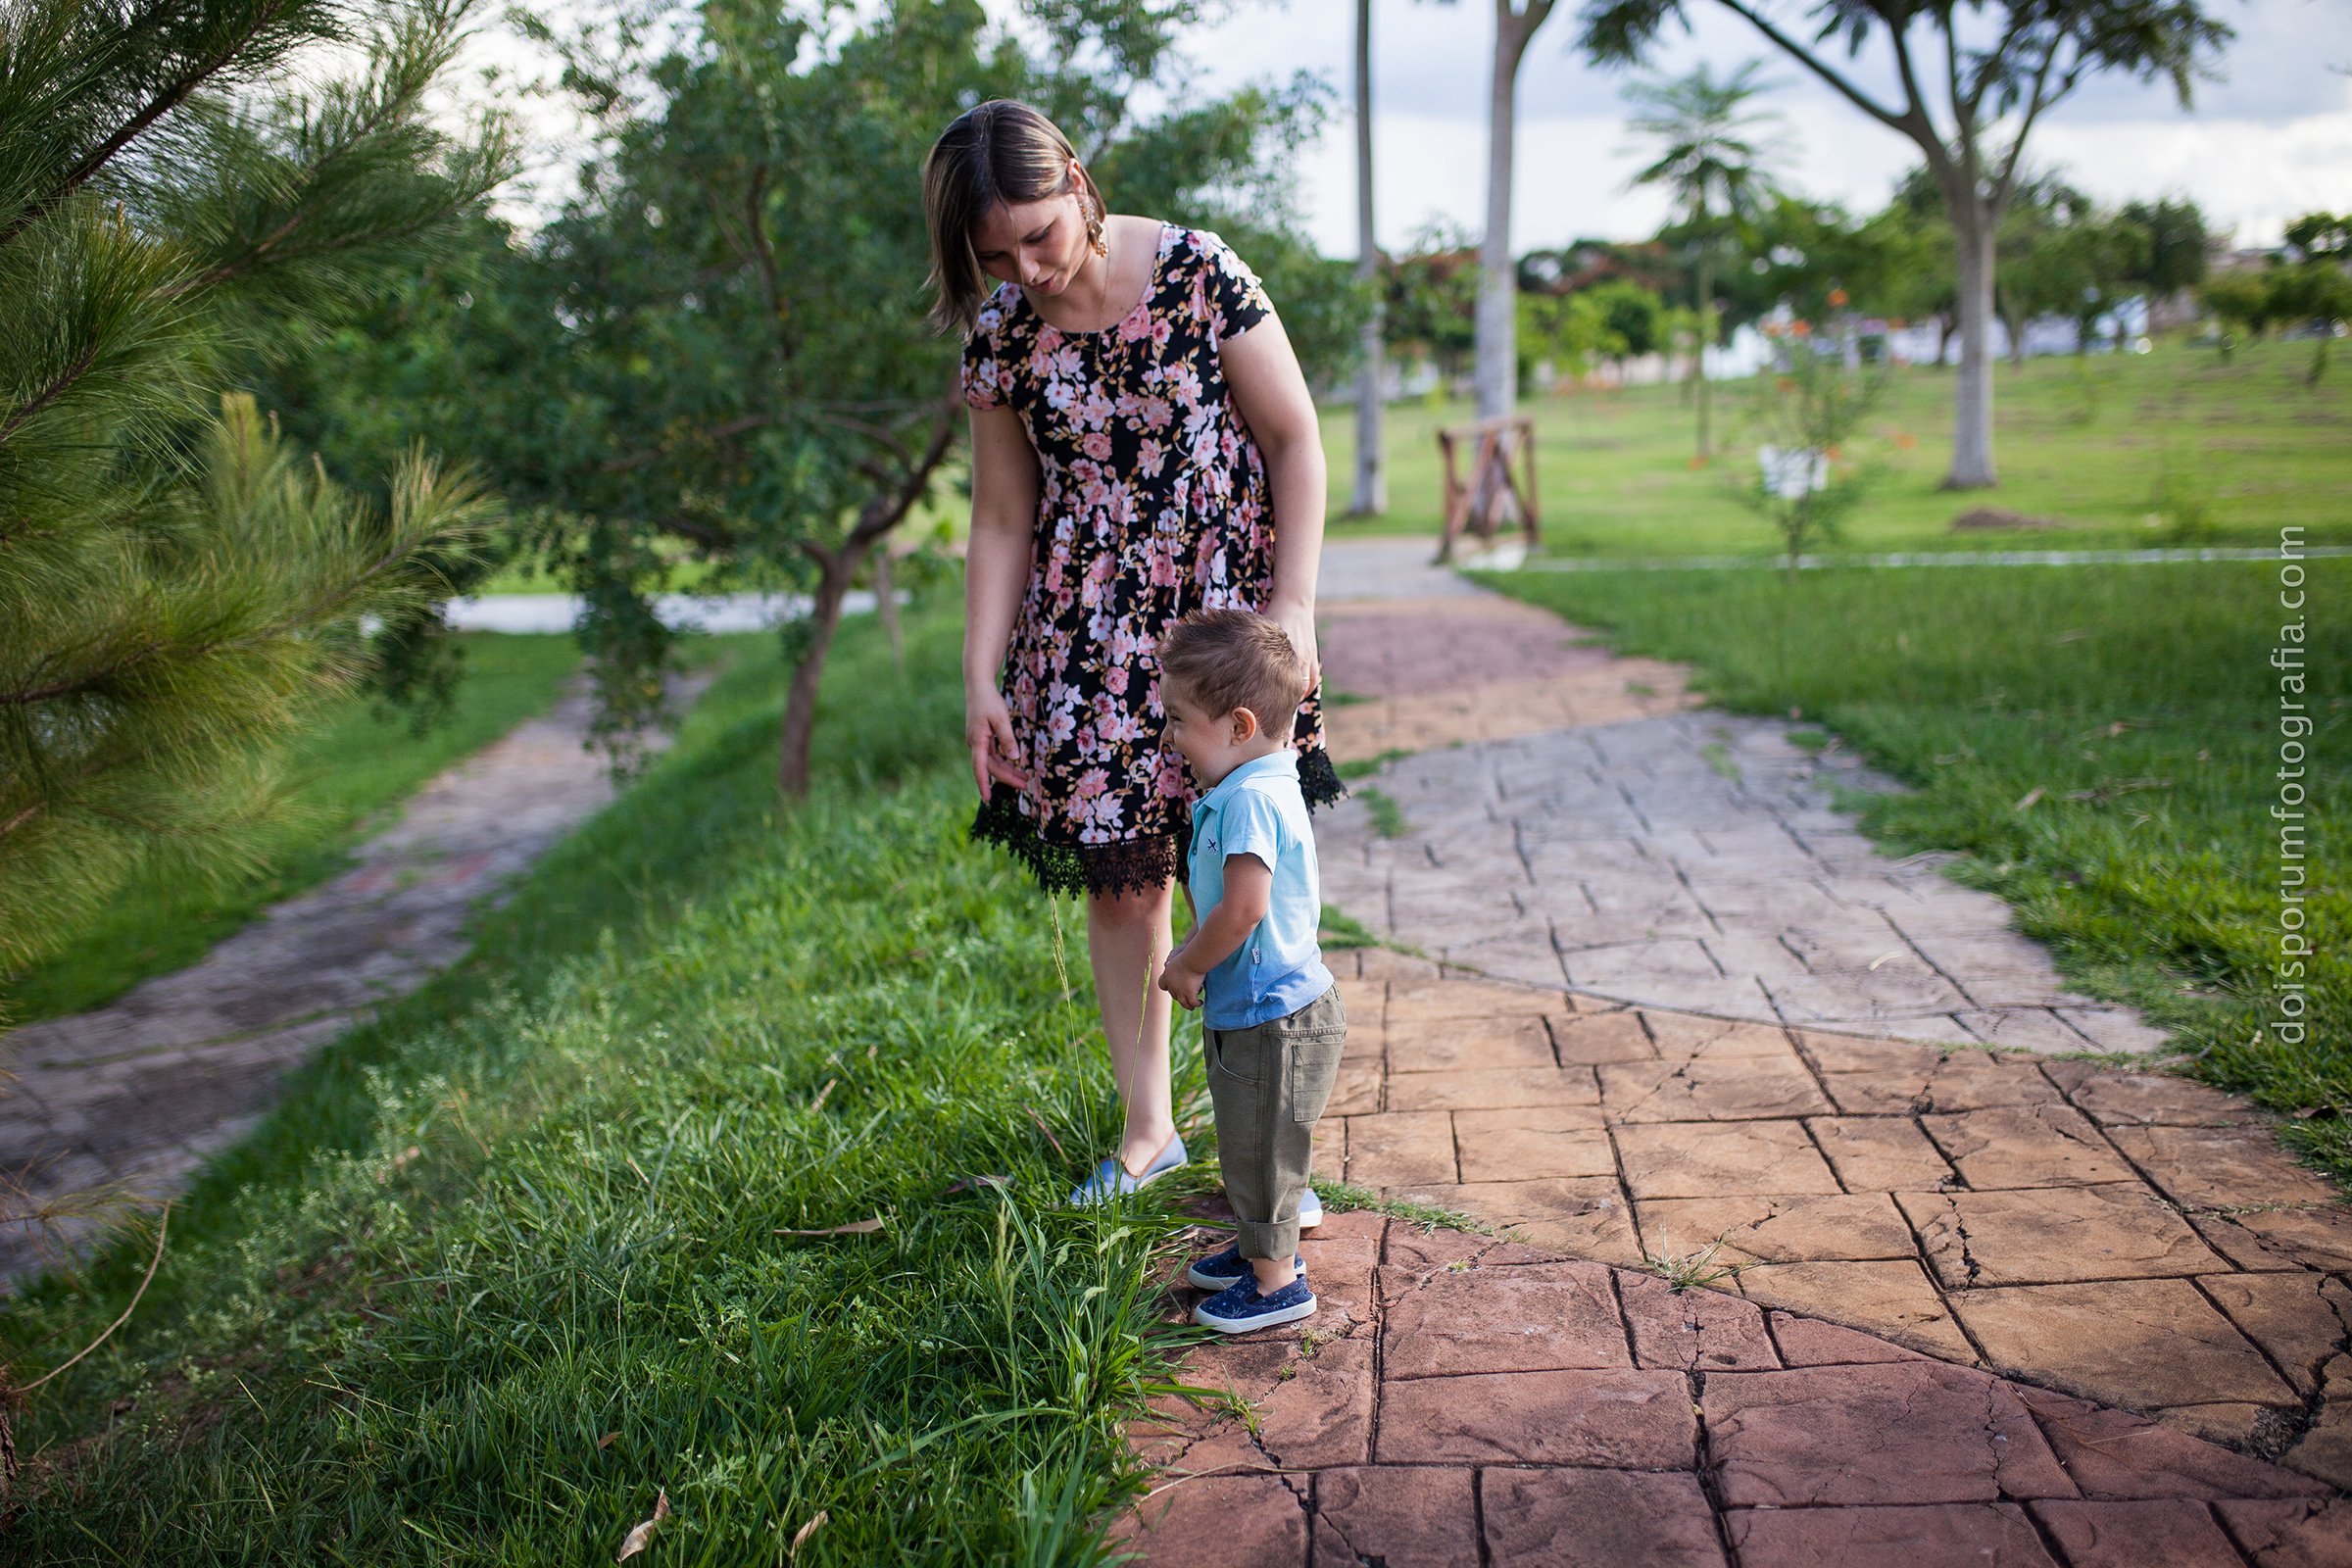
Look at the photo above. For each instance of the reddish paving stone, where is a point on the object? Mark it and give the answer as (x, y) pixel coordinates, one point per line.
(1322, 1413)
(2146, 1098)
(1596, 1519)
(1880, 1078)
(1697, 1330)
(1895, 1299)
(1625, 1420)
(1809, 1342)
(1879, 1154)
(1446, 1044)
(1694, 1159)
(1688, 1037)
(1340, 1267)
(1983, 1535)
(1834, 1227)
(1218, 1522)
(1401, 1149)
(2219, 1167)
(2298, 1318)
(1416, 1000)
(2053, 1235)
(1728, 1089)
(2116, 1456)
(2292, 1535)
(1394, 1513)
(1492, 1088)
(1906, 1432)
(2033, 1146)
(1420, 1253)
(1582, 1216)
(1546, 1317)
(1546, 1143)
(2318, 1236)
(2142, 1344)
(2169, 1534)
(1589, 1039)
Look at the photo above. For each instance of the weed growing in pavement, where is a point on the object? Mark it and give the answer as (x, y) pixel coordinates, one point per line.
(1366, 767)
(2075, 686)
(1694, 1271)
(1388, 817)
(1338, 1198)
(530, 1251)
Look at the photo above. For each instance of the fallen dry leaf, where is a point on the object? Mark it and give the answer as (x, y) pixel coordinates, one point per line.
(973, 1184)
(804, 1533)
(819, 1103)
(641, 1536)
(856, 1227)
(607, 1441)
(2032, 795)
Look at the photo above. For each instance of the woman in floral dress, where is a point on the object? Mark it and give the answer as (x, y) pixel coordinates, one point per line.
(1143, 445)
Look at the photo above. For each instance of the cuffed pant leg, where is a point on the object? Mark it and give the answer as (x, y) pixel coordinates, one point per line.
(1270, 1084)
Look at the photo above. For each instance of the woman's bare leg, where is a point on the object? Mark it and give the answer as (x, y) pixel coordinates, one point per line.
(1127, 940)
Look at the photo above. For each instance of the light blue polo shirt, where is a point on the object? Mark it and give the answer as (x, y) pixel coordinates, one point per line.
(1258, 810)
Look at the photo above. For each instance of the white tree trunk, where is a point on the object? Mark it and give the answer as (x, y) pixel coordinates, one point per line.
(1499, 283)
(1371, 494)
(1972, 413)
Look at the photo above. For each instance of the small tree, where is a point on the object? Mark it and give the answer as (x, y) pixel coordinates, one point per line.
(1712, 163)
(174, 596)
(1515, 24)
(1810, 405)
(2021, 56)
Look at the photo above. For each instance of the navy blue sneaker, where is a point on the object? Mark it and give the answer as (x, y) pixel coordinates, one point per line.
(1239, 1308)
(1220, 1269)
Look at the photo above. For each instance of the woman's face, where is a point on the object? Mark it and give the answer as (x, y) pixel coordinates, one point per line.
(1039, 245)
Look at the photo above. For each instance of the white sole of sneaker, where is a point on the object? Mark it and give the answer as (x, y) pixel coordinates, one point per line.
(1262, 1320)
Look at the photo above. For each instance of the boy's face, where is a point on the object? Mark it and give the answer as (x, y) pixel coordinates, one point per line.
(1214, 744)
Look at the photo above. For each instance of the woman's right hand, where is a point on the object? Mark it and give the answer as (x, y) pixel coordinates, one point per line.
(995, 753)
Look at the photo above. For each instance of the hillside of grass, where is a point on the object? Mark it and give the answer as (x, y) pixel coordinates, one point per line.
(2080, 442)
(668, 1193)
(2099, 743)
(352, 767)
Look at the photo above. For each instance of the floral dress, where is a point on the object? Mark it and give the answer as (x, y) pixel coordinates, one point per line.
(1152, 504)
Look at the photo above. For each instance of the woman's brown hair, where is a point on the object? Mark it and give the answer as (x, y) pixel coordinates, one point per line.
(999, 152)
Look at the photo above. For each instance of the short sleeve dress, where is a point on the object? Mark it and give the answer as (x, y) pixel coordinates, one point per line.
(1152, 504)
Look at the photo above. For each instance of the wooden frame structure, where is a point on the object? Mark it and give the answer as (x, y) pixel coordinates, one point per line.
(1490, 498)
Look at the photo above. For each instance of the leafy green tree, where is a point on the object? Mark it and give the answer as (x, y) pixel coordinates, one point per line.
(2019, 58)
(174, 593)
(719, 347)
(1430, 299)
(1713, 163)
(2177, 245)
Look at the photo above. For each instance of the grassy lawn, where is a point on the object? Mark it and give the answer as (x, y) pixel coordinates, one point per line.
(2136, 705)
(532, 1252)
(2078, 441)
(347, 771)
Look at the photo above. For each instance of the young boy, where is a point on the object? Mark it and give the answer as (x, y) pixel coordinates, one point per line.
(1273, 1028)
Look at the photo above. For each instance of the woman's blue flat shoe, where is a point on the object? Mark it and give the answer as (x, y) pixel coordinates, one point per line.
(1113, 1180)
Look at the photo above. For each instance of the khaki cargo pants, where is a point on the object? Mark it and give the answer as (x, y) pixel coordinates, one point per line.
(1269, 1084)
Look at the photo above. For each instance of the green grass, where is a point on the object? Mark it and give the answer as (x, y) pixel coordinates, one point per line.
(540, 1204)
(2137, 707)
(2085, 442)
(351, 769)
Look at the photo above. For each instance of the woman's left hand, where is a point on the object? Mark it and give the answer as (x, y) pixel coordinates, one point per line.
(1297, 618)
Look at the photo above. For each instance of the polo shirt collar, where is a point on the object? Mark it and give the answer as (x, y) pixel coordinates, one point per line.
(1285, 761)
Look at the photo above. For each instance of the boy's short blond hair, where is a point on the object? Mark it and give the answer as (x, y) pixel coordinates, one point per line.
(1231, 659)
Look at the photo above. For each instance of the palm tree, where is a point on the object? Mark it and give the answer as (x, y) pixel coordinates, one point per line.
(1497, 374)
(1713, 161)
(1371, 494)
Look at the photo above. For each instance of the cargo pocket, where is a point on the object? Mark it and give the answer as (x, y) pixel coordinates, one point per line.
(1240, 1054)
(1315, 1066)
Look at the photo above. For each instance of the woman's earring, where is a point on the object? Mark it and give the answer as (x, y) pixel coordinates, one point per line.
(1094, 226)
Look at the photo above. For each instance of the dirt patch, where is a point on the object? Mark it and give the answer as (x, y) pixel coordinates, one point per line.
(1997, 519)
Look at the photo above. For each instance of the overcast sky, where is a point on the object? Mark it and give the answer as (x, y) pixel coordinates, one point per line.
(2271, 140)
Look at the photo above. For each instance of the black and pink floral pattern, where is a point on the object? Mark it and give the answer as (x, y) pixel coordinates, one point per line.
(1154, 504)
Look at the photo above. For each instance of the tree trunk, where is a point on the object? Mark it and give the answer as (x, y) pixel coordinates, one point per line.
(1972, 413)
(837, 569)
(886, 605)
(1706, 341)
(1371, 494)
(1499, 283)
(800, 706)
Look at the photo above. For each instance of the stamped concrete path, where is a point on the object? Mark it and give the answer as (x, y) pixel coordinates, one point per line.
(119, 1107)
(1959, 1304)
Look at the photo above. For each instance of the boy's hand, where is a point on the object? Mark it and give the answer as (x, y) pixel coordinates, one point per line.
(1182, 983)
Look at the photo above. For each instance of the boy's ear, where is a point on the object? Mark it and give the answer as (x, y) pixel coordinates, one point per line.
(1244, 727)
